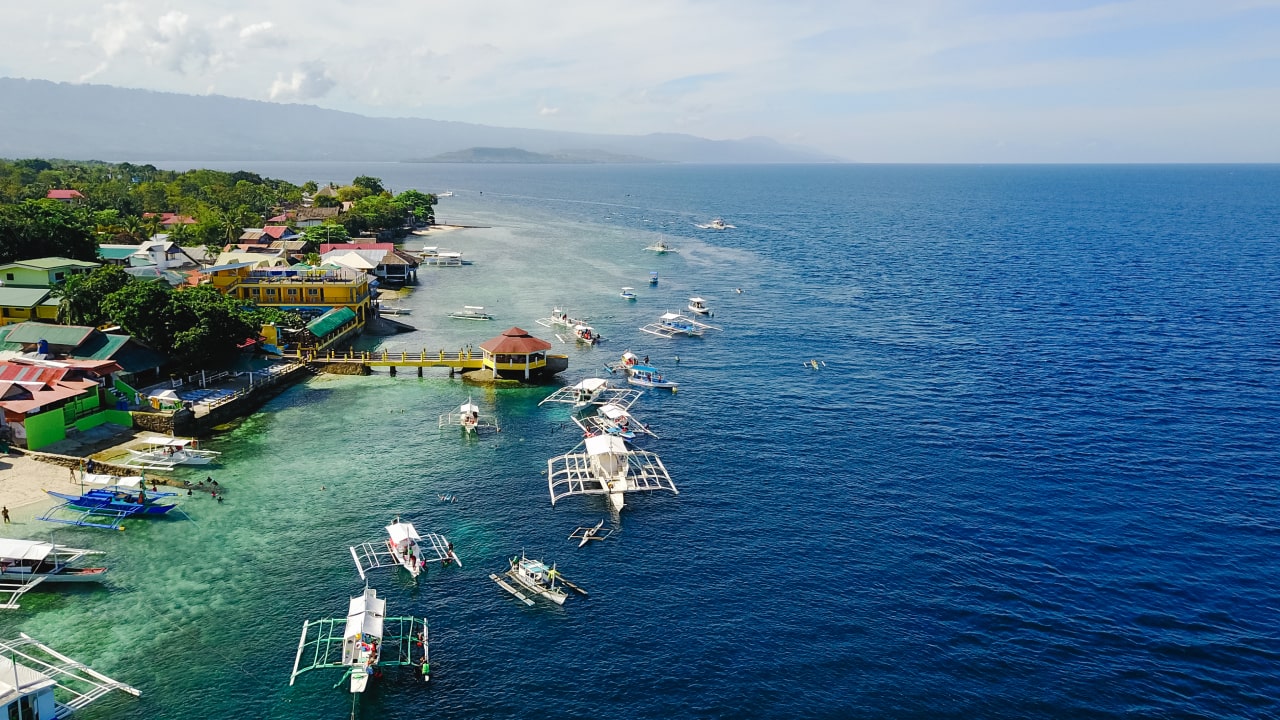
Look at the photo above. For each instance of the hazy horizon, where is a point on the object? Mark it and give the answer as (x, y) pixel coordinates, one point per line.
(983, 81)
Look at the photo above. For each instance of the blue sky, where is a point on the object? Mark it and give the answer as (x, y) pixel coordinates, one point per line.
(907, 81)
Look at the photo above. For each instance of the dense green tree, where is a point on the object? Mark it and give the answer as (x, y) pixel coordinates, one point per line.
(140, 308)
(46, 228)
(372, 185)
(207, 325)
(81, 296)
(328, 232)
(418, 204)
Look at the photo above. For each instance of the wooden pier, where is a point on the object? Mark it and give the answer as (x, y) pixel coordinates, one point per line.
(460, 361)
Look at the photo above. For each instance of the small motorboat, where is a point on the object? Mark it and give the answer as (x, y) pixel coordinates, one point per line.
(471, 312)
(699, 305)
(628, 293)
(653, 277)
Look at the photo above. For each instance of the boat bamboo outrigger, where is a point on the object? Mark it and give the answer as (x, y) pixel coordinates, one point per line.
(586, 534)
(166, 453)
(25, 564)
(535, 578)
(107, 505)
(594, 391)
(606, 467)
(610, 419)
(362, 642)
(672, 324)
(404, 548)
(468, 417)
(37, 681)
(581, 330)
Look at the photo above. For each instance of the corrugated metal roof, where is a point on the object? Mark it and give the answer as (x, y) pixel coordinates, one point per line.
(22, 297)
(64, 335)
(52, 263)
(331, 321)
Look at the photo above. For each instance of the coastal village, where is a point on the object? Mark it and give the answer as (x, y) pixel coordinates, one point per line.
(113, 368)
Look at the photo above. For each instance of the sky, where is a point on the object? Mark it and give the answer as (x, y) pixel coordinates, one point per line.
(874, 81)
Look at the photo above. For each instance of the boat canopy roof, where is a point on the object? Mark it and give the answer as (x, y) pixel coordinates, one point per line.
(364, 615)
(24, 549)
(671, 316)
(613, 412)
(133, 481)
(473, 307)
(591, 384)
(401, 532)
(605, 445)
(468, 407)
(696, 300)
(628, 288)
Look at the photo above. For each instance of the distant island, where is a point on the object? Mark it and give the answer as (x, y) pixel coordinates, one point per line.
(519, 155)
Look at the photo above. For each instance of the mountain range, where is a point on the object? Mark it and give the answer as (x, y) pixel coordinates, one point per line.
(39, 118)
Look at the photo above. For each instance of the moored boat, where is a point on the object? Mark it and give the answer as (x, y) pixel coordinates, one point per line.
(661, 247)
(469, 418)
(628, 293)
(671, 324)
(653, 277)
(166, 453)
(699, 305)
(581, 330)
(471, 312)
(534, 577)
(367, 641)
(404, 548)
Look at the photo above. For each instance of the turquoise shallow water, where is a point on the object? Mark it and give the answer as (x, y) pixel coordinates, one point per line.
(1035, 478)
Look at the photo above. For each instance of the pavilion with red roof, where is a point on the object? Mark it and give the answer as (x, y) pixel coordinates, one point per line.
(517, 355)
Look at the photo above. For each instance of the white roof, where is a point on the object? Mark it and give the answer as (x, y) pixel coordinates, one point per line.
(365, 614)
(628, 355)
(628, 288)
(611, 411)
(670, 316)
(450, 254)
(134, 481)
(166, 395)
(473, 307)
(696, 300)
(400, 532)
(605, 444)
(592, 384)
(468, 407)
(28, 680)
(581, 327)
(24, 549)
(352, 260)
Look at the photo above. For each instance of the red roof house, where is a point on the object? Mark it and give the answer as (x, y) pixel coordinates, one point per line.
(64, 195)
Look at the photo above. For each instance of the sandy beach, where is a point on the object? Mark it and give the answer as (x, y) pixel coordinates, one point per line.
(24, 479)
(438, 230)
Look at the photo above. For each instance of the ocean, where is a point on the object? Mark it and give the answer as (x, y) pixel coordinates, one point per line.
(1034, 474)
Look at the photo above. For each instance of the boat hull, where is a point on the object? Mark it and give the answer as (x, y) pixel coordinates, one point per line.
(66, 575)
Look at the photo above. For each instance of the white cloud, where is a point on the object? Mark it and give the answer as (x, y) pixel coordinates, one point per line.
(250, 32)
(308, 82)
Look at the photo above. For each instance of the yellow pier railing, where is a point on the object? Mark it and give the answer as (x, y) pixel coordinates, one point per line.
(459, 360)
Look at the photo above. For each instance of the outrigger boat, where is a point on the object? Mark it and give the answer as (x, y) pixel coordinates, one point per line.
(404, 548)
(699, 305)
(642, 374)
(606, 467)
(582, 331)
(106, 507)
(166, 453)
(367, 641)
(40, 682)
(468, 417)
(661, 247)
(537, 579)
(586, 534)
(672, 324)
(628, 293)
(436, 257)
(24, 564)
(471, 312)
(593, 391)
(612, 419)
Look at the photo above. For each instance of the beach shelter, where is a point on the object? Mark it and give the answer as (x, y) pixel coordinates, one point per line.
(515, 354)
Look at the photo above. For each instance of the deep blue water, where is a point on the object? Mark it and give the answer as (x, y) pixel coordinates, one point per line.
(1036, 477)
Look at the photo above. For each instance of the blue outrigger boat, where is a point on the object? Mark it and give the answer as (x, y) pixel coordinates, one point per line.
(106, 507)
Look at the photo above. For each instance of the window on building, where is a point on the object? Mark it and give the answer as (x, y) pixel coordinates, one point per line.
(8, 276)
(59, 276)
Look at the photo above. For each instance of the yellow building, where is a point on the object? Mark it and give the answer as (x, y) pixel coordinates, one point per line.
(306, 290)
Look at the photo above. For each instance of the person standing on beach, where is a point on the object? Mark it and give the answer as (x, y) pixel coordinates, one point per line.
(4, 513)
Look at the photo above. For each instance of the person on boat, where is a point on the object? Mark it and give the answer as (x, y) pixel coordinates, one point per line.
(646, 359)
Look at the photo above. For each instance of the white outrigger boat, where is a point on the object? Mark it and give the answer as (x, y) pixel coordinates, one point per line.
(404, 548)
(468, 418)
(368, 640)
(166, 453)
(699, 305)
(661, 247)
(593, 391)
(579, 327)
(534, 577)
(586, 534)
(24, 564)
(628, 293)
(641, 373)
(672, 324)
(436, 257)
(40, 682)
(471, 312)
(612, 419)
(606, 467)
